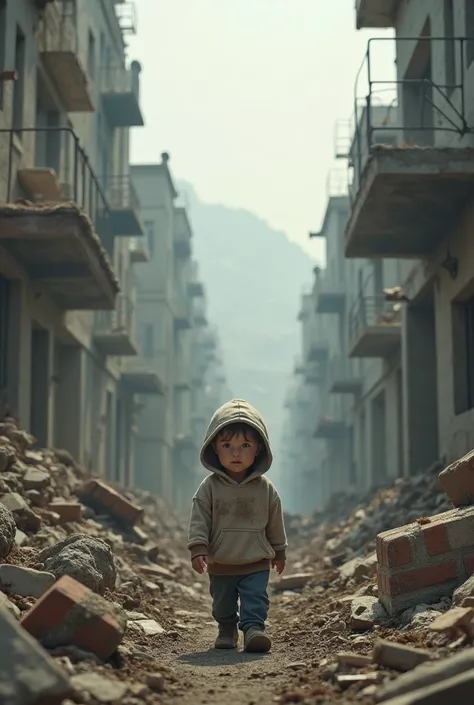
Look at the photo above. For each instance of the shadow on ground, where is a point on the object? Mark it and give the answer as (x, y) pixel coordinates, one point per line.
(215, 657)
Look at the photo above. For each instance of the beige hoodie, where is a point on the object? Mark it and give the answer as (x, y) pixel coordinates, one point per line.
(239, 526)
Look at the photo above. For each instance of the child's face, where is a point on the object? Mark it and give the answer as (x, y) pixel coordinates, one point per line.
(236, 454)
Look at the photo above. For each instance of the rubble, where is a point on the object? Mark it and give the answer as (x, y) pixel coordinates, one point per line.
(90, 560)
(7, 531)
(366, 612)
(18, 580)
(28, 675)
(399, 656)
(71, 614)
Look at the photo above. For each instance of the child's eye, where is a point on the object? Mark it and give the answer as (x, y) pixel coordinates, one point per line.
(246, 445)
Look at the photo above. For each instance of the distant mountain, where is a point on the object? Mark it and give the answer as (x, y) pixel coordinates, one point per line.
(253, 277)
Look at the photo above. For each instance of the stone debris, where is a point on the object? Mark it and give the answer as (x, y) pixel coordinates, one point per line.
(366, 612)
(18, 580)
(291, 582)
(401, 657)
(7, 531)
(28, 675)
(102, 688)
(455, 622)
(90, 560)
(464, 592)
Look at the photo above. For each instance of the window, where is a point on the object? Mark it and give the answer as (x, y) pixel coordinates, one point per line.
(19, 87)
(150, 236)
(463, 355)
(91, 55)
(469, 27)
(146, 341)
(450, 49)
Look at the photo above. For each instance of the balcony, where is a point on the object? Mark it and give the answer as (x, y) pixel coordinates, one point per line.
(183, 317)
(57, 39)
(376, 14)
(60, 172)
(140, 377)
(318, 351)
(138, 250)
(330, 298)
(59, 250)
(114, 333)
(343, 379)
(199, 306)
(330, 429)
(121, 95)
(124, 205)
(407, 191)
(126, 14)
(374, 328)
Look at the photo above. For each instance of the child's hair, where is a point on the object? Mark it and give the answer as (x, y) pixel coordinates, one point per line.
(248, 432)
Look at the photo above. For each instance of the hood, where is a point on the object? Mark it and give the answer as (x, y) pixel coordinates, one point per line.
(236, 411)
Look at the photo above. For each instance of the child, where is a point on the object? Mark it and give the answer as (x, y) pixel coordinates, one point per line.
(236, 529)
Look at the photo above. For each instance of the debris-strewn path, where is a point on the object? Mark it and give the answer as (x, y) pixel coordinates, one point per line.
(98, 602)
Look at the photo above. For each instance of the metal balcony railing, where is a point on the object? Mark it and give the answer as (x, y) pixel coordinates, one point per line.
(372, 311)
(126, 14)
(415, 108)
(118, 79)
(121, 320)
(57, 29)
(58, 149)
(121, 192)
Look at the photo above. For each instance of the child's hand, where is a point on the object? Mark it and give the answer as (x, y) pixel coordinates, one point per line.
(199, 564)
(279, 565)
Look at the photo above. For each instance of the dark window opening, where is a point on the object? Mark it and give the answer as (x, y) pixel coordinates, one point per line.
(463, 355)
(469, 23)
(450, 49)
(19, 85)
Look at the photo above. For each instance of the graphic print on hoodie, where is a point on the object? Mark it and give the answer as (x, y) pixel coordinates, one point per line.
(238, 525)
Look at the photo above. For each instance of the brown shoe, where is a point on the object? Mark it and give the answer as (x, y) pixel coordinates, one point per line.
(256, 641)
(227, 637)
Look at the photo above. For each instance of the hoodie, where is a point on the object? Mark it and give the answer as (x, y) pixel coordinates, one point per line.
(238, 525)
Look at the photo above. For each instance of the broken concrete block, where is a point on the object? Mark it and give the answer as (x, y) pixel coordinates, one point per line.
(459, 687)
(85, 558)
(100, 497)
(7, 457)
(455, 621)
(426, 674)
(17, 580)
(457, 480)
(25, 518)
(399, 656)
(364, 679)
(101, 688)
(36, 479)
(353, 659)
(463, 591)
(422, 562)
(359, 568)
(28, 675)
(7, 531)
(292, 582)
(69, 614)
(156, 682)
(156, 571)
(147, 626)
(366, 612)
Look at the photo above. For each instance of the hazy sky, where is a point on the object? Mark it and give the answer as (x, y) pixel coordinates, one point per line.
(244, 95)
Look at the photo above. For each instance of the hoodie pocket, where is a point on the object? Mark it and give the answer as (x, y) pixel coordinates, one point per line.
(241, 546)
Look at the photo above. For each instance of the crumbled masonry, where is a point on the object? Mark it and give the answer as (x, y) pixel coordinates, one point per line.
(109, 611)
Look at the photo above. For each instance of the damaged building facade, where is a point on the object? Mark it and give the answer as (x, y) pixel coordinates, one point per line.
(73, 239)
(386, 372)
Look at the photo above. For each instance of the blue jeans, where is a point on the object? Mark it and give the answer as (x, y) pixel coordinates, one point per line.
(252, 591)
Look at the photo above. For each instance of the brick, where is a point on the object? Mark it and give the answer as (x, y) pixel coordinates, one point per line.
(28, 674)
(419, 578)
(459, 687)
(98, 495)
(402, 657)
(394, 549)
(71, 614)
(436, 538)
(469, 564)
(67, 511)
(457, 480)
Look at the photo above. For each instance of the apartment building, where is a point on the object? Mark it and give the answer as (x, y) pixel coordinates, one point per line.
(394, 304)
(176, 340)
(68, 212)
